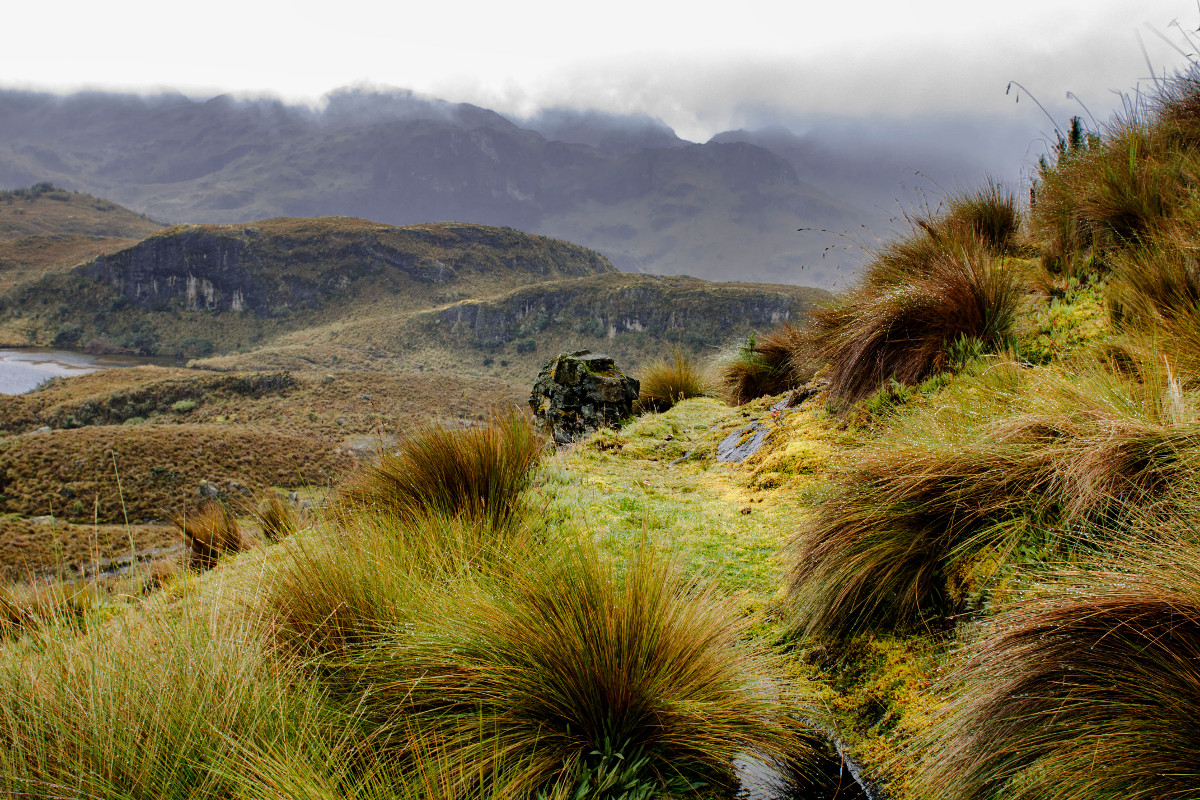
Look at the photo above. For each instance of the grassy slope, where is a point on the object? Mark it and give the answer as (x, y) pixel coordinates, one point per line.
(49, 232)
(352, 294)
(634, 318)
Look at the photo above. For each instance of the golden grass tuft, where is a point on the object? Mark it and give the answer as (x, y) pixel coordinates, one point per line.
(915, 511)
(477, 471)
(766, 365)
(918, 300)
(1087, 690)
(573, 665)
(667, 381)
(209, 533)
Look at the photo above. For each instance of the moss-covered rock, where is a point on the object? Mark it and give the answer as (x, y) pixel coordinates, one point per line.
(580, 392)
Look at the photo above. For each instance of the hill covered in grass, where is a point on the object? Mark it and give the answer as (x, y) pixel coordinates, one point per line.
(350, 293)
(46, 230)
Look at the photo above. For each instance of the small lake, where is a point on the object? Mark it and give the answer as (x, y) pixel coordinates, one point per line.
(23, 370)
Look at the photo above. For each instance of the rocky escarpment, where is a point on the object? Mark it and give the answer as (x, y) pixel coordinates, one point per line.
(273, 265)
(686, 309)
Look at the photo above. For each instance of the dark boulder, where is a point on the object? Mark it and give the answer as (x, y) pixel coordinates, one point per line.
(579, 392)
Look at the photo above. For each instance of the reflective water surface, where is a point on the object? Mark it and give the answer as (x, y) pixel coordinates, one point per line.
(23, 370)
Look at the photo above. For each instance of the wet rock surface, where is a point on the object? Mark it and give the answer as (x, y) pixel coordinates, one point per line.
(579, 392)
(746, 441)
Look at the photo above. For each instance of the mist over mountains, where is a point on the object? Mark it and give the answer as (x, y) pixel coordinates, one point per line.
(628, 186)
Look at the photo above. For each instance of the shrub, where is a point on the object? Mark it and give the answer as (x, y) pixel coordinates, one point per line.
(183, 406)
(478, 472)
(209, 533)
(666, 382)
(917, 299)
(904, 535)
(1089, 690)
(568, 660)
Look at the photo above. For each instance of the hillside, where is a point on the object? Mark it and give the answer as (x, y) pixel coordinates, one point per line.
(718, 211)
(47, 230)
(946, 546)
(350, 293)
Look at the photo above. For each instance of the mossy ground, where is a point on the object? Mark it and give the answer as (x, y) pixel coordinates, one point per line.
(731, 522)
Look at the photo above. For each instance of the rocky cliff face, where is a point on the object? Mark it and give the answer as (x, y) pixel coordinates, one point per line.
(195, 270)
(681, 308)
(274, 265)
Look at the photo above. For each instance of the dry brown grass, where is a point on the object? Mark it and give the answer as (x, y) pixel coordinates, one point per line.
(1088, 690)
(31, 257)
(665, 382)
(917, 300)
(477, 472)
(324, 404)
(766, 365)
(209, 533)
(159, 467)
(58, 212)
(41, 548)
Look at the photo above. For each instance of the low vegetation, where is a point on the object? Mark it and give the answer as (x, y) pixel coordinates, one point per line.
(1086, 689)
(209, 533)
(667, 381)
(766, 364)
(965, 553)
(477, 472)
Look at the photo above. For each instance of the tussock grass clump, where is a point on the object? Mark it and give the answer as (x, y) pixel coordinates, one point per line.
(667, 381)
(479, 472)
(992, 470)
(343, 587)
(276, 518)
(567, 661)
(767, 364)
(156, 712)
(990, 214)
(210, 533)
(915, 302)
(1089, 690)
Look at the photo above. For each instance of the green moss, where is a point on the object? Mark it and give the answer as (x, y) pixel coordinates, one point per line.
(1055, 327)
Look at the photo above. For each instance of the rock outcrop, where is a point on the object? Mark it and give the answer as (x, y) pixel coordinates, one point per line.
(580, 392)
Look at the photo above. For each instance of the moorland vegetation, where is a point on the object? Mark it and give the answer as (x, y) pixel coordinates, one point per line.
(965, 557)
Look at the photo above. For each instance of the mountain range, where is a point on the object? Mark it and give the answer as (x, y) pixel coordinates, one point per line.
(627, 186)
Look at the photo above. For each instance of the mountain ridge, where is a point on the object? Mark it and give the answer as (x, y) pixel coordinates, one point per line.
(403, 159)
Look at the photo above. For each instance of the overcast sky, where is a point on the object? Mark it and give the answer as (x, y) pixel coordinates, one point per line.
(702, 68)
